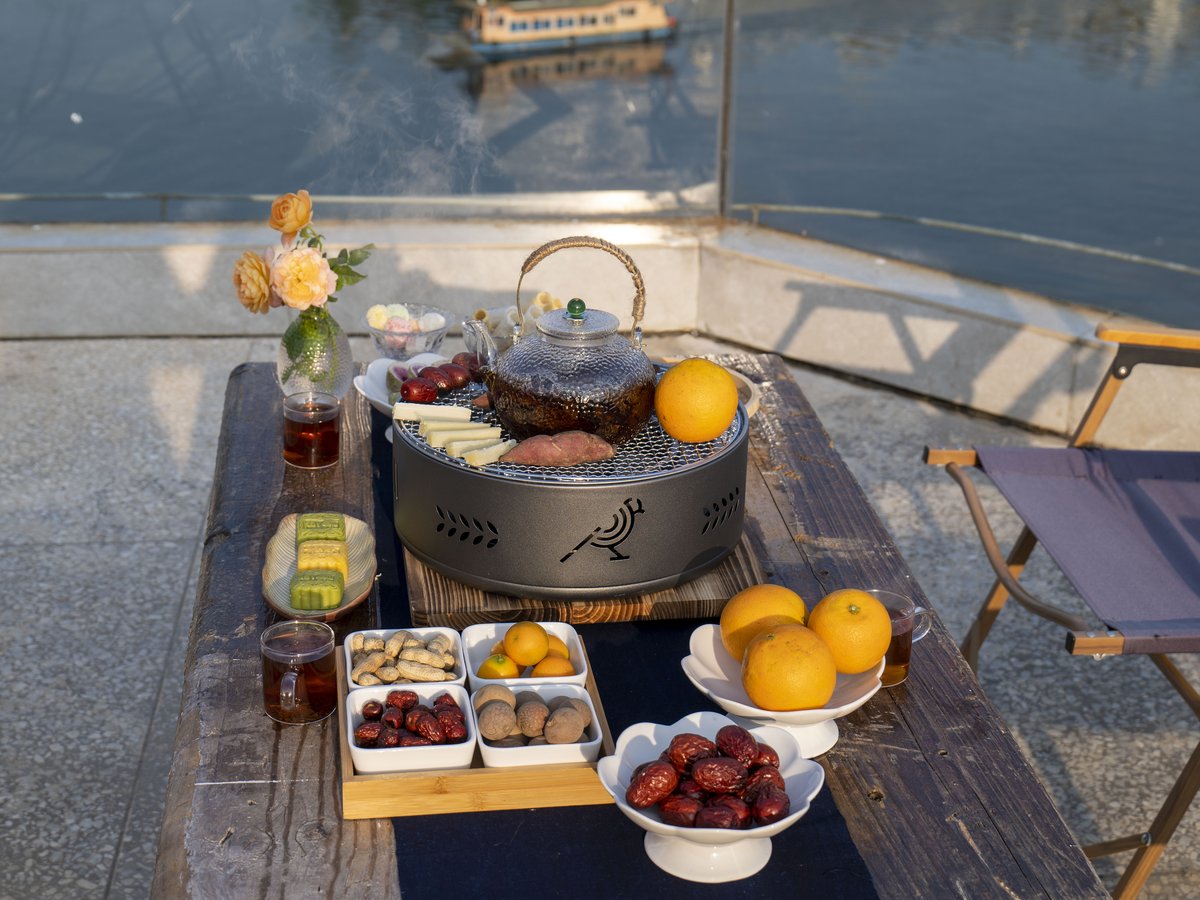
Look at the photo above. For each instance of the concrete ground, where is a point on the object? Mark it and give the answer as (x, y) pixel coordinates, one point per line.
(106, 459)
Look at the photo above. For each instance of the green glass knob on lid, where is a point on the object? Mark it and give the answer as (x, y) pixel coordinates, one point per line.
(576, 308)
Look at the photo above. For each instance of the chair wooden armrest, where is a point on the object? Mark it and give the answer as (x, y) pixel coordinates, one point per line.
(1176, 338)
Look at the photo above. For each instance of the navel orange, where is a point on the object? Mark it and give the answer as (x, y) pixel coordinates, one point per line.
(552, 667)
(754, 609)
(695, 400)
(557, 646)
(788, 667)
(526, 643)
(498, 666)
(856, 626)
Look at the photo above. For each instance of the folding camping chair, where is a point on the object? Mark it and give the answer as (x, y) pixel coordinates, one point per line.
(1124, 526)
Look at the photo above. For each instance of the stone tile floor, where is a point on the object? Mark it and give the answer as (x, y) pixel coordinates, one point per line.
(106, 459)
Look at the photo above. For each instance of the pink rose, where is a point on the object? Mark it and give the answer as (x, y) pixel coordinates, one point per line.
(302, 277)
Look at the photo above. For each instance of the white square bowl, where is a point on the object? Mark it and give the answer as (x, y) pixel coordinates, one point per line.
(587, 750)
(460, 668)
(478, 641)
(376, 760)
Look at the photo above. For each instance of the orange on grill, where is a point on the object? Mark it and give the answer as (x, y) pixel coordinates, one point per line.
(695, 400)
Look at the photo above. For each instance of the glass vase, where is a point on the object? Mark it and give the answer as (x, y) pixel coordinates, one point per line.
(314, 355)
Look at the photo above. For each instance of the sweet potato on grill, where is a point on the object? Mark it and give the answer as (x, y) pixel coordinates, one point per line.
(567, 448)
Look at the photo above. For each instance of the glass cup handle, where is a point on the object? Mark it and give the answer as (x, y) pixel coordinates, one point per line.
(920, 624)
(289, 698)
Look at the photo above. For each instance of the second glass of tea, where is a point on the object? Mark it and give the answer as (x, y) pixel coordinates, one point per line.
(910, 623)
(311, 429)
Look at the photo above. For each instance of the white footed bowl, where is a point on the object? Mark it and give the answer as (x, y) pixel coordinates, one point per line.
(718, 676)
(709, 855)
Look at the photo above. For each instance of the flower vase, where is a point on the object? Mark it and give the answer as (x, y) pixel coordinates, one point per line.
(314, 355)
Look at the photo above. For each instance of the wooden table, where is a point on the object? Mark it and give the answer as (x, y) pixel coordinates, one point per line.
(935, 793)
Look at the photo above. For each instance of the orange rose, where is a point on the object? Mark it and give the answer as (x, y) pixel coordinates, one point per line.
(302, 278)
(252, 278)
(290, 213)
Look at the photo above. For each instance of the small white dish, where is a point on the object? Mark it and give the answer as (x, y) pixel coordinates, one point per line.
(478, 641)
(718, 676)
(374, 760)
(587, 750)
(280, 565)
(460, 668)
(707, 855)
(372, 384)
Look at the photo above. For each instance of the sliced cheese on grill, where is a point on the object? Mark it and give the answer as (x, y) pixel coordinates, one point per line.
(428, 425)
(458, 448)
(439, 437)
(419, 412)
(487, 455)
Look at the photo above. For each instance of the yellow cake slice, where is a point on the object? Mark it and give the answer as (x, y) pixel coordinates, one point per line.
(313, 555)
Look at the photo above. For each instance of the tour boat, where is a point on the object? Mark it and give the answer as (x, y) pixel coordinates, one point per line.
(497, 28)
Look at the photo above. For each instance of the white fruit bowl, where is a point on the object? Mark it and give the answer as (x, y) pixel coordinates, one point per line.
(718, 676)
(708, 855)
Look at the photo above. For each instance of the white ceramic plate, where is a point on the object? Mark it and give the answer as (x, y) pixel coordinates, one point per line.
(372, 384)
(718, 676)
(478, 641)
(709, 855)
(460, 668)
(280, 565)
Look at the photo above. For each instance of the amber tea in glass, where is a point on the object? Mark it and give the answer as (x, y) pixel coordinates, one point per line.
(311, 427)
(909, 623)
(299, 672)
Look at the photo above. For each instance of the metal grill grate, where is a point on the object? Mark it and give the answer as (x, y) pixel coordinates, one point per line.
(650, 453)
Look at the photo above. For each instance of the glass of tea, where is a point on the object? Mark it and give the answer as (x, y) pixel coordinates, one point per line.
(910, 623)
(299, 671)
(311, 428)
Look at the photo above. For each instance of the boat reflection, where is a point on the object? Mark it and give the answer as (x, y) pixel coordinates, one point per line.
(612, 61)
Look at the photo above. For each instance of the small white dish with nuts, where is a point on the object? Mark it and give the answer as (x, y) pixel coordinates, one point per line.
(535, 724)
(395, 656)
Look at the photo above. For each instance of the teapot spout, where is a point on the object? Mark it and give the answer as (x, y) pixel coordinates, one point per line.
(479, 341)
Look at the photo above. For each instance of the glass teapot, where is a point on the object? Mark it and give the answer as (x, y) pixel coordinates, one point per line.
(575, 372)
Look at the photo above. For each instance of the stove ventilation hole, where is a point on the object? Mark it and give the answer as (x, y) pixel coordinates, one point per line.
(718, 512)
(466, 528)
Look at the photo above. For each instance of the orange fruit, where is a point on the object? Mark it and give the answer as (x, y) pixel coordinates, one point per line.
(756, 608)
(552, 667)
(497, 647)
(695, 400)
(855, 626)
(557, 647)
(526, 643)
(788, 667)
(498, 666)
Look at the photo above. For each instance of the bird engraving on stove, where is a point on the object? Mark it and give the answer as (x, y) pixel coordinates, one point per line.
(611, 537)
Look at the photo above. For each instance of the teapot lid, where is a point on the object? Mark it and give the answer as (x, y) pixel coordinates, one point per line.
(578, 323)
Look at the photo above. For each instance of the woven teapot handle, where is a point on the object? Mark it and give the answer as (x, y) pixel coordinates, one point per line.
(639, 296)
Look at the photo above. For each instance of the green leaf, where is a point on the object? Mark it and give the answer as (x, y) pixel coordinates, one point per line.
(314, 242)
(347, 277)
(359, 256)
(343, 258)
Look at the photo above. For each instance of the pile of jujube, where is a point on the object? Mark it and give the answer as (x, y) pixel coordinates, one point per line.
(732, 782)
(401, 720)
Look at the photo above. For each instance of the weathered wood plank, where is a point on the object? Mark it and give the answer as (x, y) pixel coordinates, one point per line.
(253, 808)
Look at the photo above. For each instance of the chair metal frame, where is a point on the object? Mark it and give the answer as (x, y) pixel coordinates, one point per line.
(1167, 347)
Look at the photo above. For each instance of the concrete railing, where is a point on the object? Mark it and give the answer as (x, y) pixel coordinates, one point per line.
(999, 351)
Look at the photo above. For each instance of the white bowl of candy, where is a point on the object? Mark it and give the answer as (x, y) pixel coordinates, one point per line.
(402, 330)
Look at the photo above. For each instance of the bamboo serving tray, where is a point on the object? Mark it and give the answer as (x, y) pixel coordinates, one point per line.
(477, 789)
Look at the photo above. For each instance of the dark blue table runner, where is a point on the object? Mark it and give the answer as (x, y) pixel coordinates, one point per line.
(594, 851)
